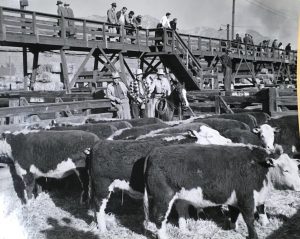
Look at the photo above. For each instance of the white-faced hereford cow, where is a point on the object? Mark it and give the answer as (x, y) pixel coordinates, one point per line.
(116, 163)
(287, 133)
(214, 175)
(50, 154)
(262, 135)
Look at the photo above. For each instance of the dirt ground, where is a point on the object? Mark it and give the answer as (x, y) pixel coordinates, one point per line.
(57, 214)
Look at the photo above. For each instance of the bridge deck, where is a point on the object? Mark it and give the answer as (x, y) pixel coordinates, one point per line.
(22, 28)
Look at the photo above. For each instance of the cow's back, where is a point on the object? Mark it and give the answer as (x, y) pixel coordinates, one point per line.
(218, 170)
(222, 125)
(46, 149)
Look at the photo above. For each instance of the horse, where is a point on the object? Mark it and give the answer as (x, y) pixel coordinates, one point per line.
(166, 106)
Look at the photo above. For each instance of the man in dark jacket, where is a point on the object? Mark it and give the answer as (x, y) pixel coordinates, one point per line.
(173, 24)
(288, 49)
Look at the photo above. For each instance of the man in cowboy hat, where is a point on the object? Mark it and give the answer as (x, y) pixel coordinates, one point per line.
(70, 13)
(139, 92)
(60, 12)
(160, 88)
(117, 93)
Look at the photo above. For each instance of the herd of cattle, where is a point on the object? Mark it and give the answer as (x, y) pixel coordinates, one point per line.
(228, 159)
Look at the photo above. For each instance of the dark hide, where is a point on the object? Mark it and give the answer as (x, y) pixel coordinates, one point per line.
(223, 124)
(135, 132)
(242, 136)
(119, 160)
(242, 117)
(144, 121)
(101, 130)
(261, 117)
(218, 170)
(288, 134)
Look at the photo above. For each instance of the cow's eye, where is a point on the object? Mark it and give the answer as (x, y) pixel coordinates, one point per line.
(285, 170)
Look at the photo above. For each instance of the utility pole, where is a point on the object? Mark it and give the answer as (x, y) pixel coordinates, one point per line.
(228, 31)
(232, 24)
(23, 4)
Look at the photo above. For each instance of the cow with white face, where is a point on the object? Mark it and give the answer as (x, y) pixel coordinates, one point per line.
(266, 134)
(51, 154)
(214, 175)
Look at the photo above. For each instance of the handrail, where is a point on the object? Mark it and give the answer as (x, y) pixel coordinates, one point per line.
(257, 49)
(187, 48)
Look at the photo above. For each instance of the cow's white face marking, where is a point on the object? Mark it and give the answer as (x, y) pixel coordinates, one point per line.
(207, 135)
(284, 174)
(59, 172)
(26, 131)
(5, 149)
(267, 135)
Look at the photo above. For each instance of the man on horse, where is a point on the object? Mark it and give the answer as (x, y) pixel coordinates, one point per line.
(139, 92)
(160, 88)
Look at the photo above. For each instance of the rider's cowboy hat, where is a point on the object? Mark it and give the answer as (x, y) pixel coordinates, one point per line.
(160, 72)
(115, 75)
(138, 72)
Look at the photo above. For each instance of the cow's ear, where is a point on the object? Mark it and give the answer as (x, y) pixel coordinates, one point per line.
(192, 133)
(276, 130)
(256, 130)
(278, 150)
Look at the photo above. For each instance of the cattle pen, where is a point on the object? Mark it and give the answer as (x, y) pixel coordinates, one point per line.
(70, 169)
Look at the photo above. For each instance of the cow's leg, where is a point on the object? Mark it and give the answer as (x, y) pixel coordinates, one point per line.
(29, 181)
(247, 209)
(83, 178)
(163, 200)
(262, 216)
(182, 209)
(234, 214)
(100, 199)
(18, 183)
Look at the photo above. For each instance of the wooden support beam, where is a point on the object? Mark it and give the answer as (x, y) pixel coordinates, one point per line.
(54, 107)
(64, 67)
(128, 69)
(106, 65)
(225, 105)
(122, 68)
(72, 83)
(35, 65)
(106, 58)
(149, 64)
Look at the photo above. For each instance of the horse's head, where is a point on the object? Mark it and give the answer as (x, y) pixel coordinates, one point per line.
(180, 95)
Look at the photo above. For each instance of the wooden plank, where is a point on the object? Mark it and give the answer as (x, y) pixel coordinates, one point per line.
(65, 70)
(54, 107)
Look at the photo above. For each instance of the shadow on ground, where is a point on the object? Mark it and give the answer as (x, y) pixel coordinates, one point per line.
(289, 230)
(61, 230)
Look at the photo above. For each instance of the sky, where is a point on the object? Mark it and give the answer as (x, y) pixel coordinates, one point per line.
(272, 18)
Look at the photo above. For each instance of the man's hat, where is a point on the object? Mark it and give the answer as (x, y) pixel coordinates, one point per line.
(160, 72)
(138, 72)
(115, 75)
(66, 4)
(139, 16)
(114, 4)
(59, 2)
